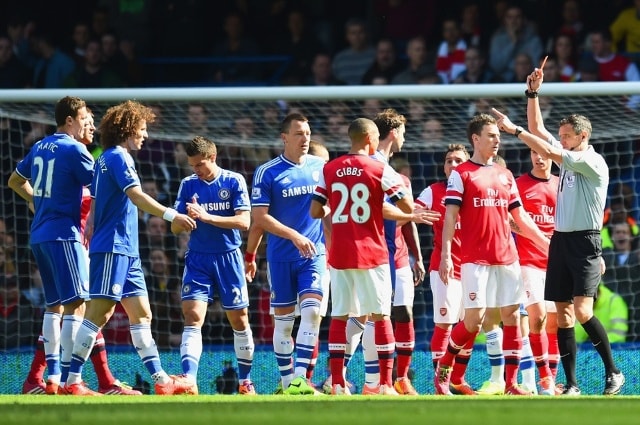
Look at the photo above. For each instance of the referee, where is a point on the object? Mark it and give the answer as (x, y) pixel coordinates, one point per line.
(575, 253)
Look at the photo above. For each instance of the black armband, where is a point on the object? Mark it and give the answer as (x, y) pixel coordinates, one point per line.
(531, 94)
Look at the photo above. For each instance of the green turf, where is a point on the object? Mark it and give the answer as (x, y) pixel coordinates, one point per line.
(326, 410)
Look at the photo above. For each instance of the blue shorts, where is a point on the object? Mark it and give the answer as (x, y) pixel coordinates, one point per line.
(64, 271)
(208, 274)
(116, 276)
(292, 279)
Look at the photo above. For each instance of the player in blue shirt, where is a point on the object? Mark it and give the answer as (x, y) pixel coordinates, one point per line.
(219, 200)
(51, 177)
(281, 198)
(115, 271)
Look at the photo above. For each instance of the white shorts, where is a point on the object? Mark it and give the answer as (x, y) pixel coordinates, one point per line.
(404, 292)
(534, 279)
(491, 286)
(356, 292)
(447, 299)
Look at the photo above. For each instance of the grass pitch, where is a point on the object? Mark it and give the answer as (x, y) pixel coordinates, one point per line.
(267, 410)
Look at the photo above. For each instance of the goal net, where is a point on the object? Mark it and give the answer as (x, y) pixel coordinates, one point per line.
(244, 122)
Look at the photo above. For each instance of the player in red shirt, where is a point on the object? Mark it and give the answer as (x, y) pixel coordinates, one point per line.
(447, 299)
(484, 195)
(34, 383)
(355, 186)
(538, 189)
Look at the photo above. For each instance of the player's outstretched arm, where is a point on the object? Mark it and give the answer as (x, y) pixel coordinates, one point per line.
(149, 205)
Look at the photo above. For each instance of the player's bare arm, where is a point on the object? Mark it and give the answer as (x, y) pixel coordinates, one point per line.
(514, 227)
(265, 220)
(529, 229)
(535, 123)
(448, 229)
(254, 239)
(411, 237)
(240, 220)
(418, 215)
(21, 186)
(546, 150)
(317, 210)
(88, 227)
(146, 203)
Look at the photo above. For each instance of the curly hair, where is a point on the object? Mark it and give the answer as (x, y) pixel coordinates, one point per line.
(121, 122)
(387, 120)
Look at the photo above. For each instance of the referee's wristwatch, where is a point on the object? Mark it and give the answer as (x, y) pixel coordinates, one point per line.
(518, 131)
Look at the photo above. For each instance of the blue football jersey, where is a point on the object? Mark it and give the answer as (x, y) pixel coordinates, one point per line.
(286, 189)
(58, 167)
(116, 217)
(222, 196)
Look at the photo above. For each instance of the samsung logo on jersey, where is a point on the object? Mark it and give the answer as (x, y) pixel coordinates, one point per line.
(298, 190)
(216, 206)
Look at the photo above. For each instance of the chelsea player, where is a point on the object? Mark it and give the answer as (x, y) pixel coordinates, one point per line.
(281, 198)
(218, 199)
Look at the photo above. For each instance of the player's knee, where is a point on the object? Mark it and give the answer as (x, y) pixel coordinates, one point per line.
(310, 311)
(402, 314)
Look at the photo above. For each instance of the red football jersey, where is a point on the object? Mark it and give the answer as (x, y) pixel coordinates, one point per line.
(401, 256)
(485, 194)
(433, 198)
(539, 200)
(354, 186)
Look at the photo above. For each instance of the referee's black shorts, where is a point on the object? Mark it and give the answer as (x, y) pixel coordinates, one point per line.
(574, 265)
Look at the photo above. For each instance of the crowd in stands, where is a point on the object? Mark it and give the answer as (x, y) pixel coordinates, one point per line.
(104, 43)
(101, 43)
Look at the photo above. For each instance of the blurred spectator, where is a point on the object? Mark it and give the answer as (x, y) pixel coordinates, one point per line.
(515, 36)
(619, 211)
(235, 44)
(13, 73)
(80, 36)
(263, 322)
(301, 44)
(522, 67)
(100, 21)
(198, 120)
(351, 63)
(8, 245)
(476, 70)
(613, 66)
(155, 235)
(371, 107)
(624, 251)
(20, 31)
(164, 296)
(322, 73)
(385, 65)
(93, 73)
(625, 29)
(420, 64)
(155, 161)
(450, 60)
(402, 166)
(131, 20)
(572, 24)
(470, 28)
(39, 126)
(588, 69)
(402, 20)
(125, 66)
(7, 265)
(564, 51)
(336, 127)
(612, 311)
(53, 66)
(18, 324)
